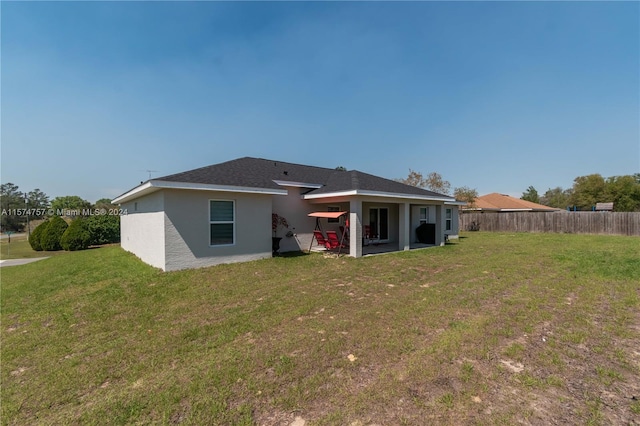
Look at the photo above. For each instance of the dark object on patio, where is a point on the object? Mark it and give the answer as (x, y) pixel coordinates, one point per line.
(426, 233)
(275, 246)
(369, 236)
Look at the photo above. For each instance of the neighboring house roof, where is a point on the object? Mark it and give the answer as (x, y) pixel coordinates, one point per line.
(259, 175)
(505, 203)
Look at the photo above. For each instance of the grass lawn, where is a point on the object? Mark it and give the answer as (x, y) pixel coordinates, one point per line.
(19, 248)
(492, 329)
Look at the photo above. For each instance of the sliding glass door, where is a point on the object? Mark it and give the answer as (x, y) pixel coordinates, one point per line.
(379, 222)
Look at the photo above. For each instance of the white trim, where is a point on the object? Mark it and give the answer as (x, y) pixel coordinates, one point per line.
(141, 190)
(481, 209)
(329, 195)
(455, 203)
(298, 184)
(375, 194)
(154, 185)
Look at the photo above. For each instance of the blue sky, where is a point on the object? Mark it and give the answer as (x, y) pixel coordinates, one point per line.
(496, 96)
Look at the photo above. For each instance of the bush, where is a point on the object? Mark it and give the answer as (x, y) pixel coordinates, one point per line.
(50, 238)
(104, 229)
(36, 236)
(76, 237)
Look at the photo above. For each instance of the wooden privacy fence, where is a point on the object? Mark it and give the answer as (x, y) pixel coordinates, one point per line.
(568, 222)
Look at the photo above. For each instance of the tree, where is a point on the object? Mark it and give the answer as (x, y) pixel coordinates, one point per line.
(556, 197)
(341, 168)
(52, 233)
(466, 194)
(104, 203)
(12, 203)
(36, 236)
(624, 191)
(9, 189)
(587, 191)
(414, 179)
(38, 199)
(77, 236)
(16, 205)
(435, 183)
(10, 192)
(432, 182)
(69, 202)
(531, 195)
(104, 229)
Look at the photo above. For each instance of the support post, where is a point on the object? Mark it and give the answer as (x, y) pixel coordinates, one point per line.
(404, 225)
(355, 228)
(440, 224)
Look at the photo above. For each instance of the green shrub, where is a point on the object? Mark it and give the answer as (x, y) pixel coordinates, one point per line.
(36, 235)
(77, 236)
(50, 238)
(104, 229)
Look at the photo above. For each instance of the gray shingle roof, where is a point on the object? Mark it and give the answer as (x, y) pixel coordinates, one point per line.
(261, 173)
(356, 180)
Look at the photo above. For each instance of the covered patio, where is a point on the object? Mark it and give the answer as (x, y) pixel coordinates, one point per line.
(370, 225)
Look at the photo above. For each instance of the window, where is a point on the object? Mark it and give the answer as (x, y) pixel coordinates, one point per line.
(424, 215)
(221, 222)
(379, 222)
(333, 209)
(448, 216)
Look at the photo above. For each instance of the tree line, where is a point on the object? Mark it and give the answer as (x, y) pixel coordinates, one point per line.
(19, 208)
(434, 182)
(587, 191)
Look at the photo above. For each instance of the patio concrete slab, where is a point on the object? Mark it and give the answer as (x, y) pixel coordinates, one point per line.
(16, 262)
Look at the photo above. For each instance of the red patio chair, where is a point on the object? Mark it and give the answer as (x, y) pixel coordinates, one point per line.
(334, 242)
(368, 235)
(320, 239)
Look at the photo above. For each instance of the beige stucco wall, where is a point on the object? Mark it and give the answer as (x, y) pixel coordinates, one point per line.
(187, 229)
(142, 229)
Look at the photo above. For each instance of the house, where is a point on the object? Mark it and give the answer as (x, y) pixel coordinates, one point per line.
(223, 213)
(495, 202)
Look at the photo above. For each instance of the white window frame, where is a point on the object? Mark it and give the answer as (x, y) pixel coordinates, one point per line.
(448, 222)
(426, 215)
(223, 222)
